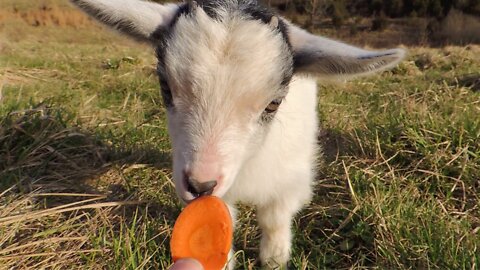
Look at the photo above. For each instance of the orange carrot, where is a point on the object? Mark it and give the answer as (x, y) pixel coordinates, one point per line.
(203, 231)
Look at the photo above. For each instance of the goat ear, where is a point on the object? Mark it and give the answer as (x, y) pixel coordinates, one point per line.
(327, 58)
(135, 18)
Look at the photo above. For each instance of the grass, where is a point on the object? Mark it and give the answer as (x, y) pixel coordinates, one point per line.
(85, 178)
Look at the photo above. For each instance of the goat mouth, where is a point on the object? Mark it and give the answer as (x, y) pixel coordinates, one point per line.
(188, 195)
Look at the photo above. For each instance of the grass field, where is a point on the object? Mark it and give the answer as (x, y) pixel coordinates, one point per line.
(85, 178)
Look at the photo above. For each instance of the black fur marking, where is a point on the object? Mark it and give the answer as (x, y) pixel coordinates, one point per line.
(257, 12)
(287, 77)
(282, 27)
(211, 7)
(304, 59)
(166, 92)
(372, 56)
(160, 38)
(254, 11)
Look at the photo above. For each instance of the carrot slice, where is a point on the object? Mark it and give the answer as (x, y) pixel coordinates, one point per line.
(203, 231)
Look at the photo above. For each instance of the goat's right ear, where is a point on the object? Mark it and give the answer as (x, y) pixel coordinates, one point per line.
(135, 18)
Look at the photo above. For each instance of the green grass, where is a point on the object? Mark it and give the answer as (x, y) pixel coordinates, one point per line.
(85, 178)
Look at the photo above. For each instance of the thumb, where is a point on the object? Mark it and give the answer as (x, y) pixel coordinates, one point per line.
(186, 264)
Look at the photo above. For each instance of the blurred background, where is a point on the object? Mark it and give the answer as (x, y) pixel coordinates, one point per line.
(386, 22)
(85, 158)
(378, 23)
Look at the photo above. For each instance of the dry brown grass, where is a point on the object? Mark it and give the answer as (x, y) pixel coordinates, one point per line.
(48, 15)
(49, 208)
(34, 139)
(28, 244)
(398, 190)
(21, 76)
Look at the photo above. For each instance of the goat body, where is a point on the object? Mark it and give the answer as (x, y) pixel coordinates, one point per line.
(239, 86)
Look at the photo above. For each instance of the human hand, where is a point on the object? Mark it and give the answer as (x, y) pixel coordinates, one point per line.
(186, 264)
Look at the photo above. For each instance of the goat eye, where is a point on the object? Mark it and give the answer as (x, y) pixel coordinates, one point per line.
(166, 94)
(273, 106)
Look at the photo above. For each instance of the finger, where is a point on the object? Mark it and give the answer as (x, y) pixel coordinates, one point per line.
(186, 264)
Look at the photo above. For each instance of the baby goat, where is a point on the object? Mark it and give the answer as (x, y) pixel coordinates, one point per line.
(238, 83)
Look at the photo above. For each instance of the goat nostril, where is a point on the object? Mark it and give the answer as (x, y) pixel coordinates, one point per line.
(200, 188)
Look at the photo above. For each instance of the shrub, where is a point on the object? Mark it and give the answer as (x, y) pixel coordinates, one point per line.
(338, 13)
(394, 8)
(459, 28)
(435, 8)
(380, 22)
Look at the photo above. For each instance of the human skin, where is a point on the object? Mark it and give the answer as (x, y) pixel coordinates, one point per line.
(186, 264)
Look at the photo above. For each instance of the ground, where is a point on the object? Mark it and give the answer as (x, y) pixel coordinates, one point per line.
(85, 178)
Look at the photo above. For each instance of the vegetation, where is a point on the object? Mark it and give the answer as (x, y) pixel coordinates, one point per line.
(391, 8)
(85, 178)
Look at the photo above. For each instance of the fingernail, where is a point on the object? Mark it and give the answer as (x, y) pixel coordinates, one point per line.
(187, 264)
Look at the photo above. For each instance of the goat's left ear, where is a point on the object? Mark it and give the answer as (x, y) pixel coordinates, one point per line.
(135, 18)
(327, 58)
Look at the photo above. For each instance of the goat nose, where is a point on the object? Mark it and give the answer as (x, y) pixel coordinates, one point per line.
(200, 188)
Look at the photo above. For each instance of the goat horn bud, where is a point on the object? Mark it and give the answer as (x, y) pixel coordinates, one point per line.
(193, 5)
(273, 22)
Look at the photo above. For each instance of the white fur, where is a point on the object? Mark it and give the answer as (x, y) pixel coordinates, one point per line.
(144, 17)
(223, 73)
(221, 78)
(278, 177)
